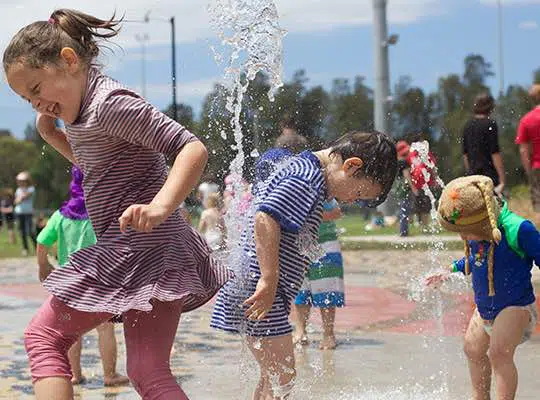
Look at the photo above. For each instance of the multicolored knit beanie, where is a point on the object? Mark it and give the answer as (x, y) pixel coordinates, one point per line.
(468, 205)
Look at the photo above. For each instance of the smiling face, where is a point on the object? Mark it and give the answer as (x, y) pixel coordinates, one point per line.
(53, 90)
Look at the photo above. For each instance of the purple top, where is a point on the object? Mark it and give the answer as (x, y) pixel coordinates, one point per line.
(75, 207)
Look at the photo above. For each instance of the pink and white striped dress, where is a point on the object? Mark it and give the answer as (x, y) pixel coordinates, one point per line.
(119, 141)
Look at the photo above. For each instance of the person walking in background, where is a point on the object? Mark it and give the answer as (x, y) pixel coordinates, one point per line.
(289, 138)
(405, 188)
(481, 152)
(24, 209)
(528, 139)
(7, 215)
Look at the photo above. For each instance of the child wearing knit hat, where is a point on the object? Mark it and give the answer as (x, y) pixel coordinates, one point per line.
(500, 248)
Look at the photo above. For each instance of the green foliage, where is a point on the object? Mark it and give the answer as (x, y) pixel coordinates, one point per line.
(320, 115)
(15, 156)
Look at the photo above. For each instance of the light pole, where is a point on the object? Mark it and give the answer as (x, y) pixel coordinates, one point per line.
(382, 75)
(142, 39)
(171, 21)
(500, 36)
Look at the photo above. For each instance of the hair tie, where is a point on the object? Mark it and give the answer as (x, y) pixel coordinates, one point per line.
(51, 21)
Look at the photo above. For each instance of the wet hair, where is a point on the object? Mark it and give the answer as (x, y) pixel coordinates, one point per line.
(378, 152)
(484, 103)
(40, 43)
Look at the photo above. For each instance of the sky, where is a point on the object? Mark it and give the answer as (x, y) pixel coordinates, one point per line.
(327, 38)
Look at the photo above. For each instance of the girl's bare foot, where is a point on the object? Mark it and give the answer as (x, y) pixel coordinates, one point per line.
(78, 380)
(116, 380)
(328, 343)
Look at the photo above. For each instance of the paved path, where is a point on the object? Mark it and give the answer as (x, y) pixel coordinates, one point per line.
(390, 346)
(401, 240)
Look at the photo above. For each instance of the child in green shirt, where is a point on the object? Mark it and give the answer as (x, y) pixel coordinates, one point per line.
(71, 230)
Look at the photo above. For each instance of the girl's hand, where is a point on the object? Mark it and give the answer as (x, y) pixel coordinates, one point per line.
(143, 217)
(434, 281)
(44, 271)
(45, 124)
(261, 301)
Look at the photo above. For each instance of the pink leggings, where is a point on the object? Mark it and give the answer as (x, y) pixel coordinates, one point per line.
(149, 338)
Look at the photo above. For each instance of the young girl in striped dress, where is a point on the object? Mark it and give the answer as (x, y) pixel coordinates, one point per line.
(281, 241)
(148, 264)
(323, 285)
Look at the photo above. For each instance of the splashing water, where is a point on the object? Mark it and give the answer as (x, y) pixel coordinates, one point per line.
(252, 43)
(419, 292)
(250, 31)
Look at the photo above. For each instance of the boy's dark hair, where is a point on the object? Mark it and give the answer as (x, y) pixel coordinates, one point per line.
(378, 152)
(41, 42)
(484, 103)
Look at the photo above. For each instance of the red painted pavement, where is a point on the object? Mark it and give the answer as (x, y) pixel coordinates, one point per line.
(365, 306)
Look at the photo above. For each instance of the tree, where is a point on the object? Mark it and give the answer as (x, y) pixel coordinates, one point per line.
(536, 76)
(185, 115)
(411, 111)
(15, 156)
(510, 108)
(477, 70)
(350, 108)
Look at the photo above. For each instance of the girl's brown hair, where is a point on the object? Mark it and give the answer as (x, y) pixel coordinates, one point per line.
(41, 42)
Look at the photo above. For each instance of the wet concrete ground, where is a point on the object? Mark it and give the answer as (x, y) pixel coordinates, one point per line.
(389, 346)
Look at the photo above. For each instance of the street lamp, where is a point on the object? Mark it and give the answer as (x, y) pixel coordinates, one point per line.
(142, 39)
(171, 21)
(500, 35)
(382, 70)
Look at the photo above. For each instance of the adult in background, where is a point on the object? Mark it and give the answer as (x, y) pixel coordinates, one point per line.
(7, 215)
(289, 138)
(405, 188)
(528, 139)
(481, 152)
(24, 209)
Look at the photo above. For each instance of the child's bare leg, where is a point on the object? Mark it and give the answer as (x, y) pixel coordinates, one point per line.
(301, 316)
(74, 356)
(275, 356)
(48, 337)
(108, 352)
(328, 316)
(476, 346)
(508, 330)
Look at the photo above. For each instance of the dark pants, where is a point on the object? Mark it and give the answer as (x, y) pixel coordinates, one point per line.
(27, 229)
(534, 179)
(404, 215)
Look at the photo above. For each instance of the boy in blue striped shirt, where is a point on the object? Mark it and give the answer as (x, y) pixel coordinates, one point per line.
(281, 240)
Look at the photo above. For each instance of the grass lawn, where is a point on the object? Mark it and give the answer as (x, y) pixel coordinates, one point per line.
(9, 250)
(355, 225)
